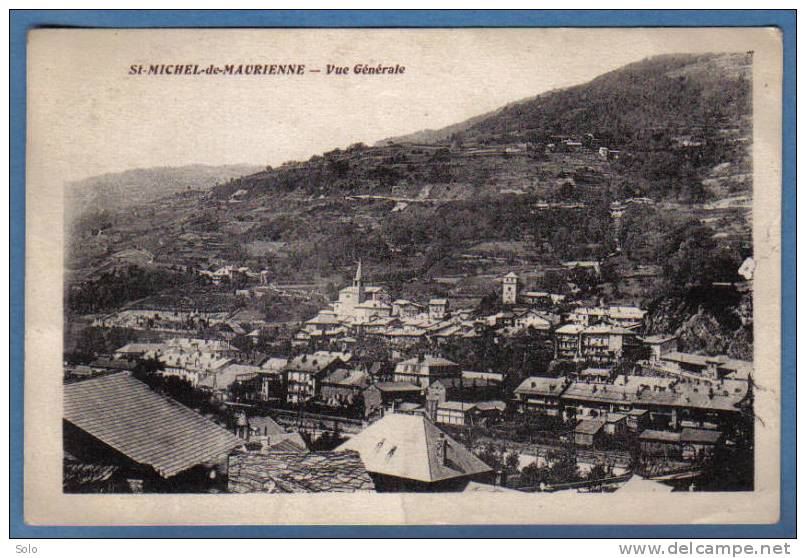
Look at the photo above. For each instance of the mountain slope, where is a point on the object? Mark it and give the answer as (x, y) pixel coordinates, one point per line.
(682, 124)
(133, 187)
(676, 91)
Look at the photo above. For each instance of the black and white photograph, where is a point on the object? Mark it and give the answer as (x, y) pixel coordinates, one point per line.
(507, 265)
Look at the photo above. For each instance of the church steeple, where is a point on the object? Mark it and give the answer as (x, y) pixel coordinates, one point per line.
(358, 284)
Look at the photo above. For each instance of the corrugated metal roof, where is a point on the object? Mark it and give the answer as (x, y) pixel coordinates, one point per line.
(150, 429)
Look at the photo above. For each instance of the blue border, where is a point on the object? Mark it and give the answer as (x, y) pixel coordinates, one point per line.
(23, 20)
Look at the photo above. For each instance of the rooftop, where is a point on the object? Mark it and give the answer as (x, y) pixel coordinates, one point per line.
(312, 363)
(275, 363)
(280, 472)
(397, 386)
(456, 406)
(225, 377)
(657, 339)
(467, 382)
(589, 426)
(699, 436)
(660, 436)
(607, 329)
(666, 392)
(406, 446)
(150, 429)
(347, 377)
(537, 385)
(429, 361)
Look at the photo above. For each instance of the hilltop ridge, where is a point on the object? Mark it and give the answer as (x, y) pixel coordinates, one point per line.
(676, 119)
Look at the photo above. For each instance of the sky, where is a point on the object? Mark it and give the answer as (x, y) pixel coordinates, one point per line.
(88, 116)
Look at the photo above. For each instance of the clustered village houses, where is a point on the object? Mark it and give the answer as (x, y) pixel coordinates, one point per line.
(399, 421)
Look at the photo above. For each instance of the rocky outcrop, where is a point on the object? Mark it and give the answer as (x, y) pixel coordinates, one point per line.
(701, 331)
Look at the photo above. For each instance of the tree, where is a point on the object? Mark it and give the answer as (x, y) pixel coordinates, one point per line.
(597, 472)
(512, 460)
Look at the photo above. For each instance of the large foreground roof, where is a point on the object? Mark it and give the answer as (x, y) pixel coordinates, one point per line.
(408, 446)
(150, 429)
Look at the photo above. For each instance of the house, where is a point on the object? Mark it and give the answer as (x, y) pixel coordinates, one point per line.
(161, 445)
(590, 374)
(499, 320)
(267, 433)
(408, 453)
(137, 350)
(275, 364)
(669, 401)
(383, 397)
(270, 386)
(405, 336)
(463, 413)
(489, 376)
(406, 308)
(345, 357)
(615, 424)
(588, 433)
(381, 370)
(604, 344)
(637, 420)
(283, 472)
(698, 443)
(542, 298)
(302, 338)
(344, 387)
(702, 366)
(424, 370)
(191, 366)
(587, 316)
(463, 389)
(221, 380)
(629, 317)
(659, 346)
(437, 308)
(455, 413)
(567, 341)
(370, 310)
(535, 320)
(304, 374)
(662, 444)
(541, 396)
(323, 321)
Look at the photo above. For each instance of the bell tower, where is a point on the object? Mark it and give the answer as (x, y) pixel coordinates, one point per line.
(510, 292)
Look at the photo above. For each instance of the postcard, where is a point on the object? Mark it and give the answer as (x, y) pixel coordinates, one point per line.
(403, 276)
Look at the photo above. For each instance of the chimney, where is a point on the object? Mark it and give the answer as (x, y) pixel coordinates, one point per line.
(442, 449)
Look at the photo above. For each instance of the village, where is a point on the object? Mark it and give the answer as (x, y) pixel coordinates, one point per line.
(376, 392)
(520, 304)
